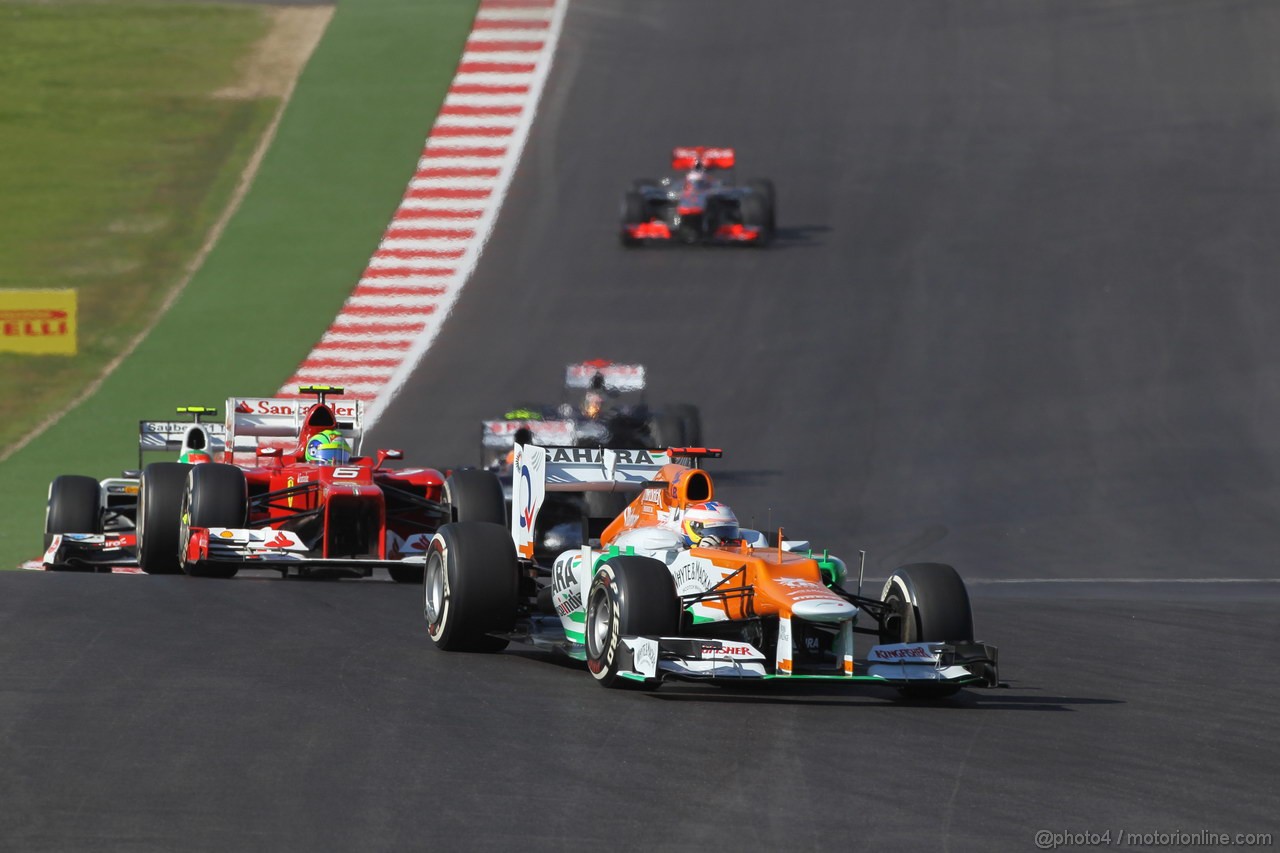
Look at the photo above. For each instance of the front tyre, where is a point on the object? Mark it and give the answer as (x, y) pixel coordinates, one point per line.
(634, 212)
(75, 506)
(926, 603)
(629, 596)
(159, 517)
(471, 587)
(215, 495)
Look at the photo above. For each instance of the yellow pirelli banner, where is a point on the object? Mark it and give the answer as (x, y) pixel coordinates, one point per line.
(38, 322)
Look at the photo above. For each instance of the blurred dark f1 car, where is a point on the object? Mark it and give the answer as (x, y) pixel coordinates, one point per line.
(604, 405)
(673, 587)
(705, 205)
(307, 504)
(90, 525)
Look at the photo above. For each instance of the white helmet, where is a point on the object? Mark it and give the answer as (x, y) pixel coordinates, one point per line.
(708, 523)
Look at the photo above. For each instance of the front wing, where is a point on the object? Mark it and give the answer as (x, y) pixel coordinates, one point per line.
(269, 548)
(92, 552)
(899, 665)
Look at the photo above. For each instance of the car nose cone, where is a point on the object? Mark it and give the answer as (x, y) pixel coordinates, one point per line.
(824, 610)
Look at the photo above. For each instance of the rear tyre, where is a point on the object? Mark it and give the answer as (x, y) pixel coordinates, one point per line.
(927, 602)
(471, 587)
(755, 212)
(629, 596)
(475, 495)
(764, 188)
(159, 517)
(633, 213)
(215, 495)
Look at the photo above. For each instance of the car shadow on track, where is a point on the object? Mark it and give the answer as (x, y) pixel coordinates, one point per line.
(1006, 698)
(775, 693)
(798, 236)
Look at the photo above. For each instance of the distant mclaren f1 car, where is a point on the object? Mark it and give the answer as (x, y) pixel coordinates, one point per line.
(674, 588)
(705, 205)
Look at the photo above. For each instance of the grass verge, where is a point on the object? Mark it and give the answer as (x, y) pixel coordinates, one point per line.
(114, 162)
(345, 149)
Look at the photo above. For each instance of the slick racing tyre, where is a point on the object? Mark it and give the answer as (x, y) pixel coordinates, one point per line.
(629, 596)
(475, 495)
(756, 212)
(215, 495)
(633, 213)
(471, 586)
(471, 495)
(764, 188)
(75, 506)
(159, 517)
(927, 602)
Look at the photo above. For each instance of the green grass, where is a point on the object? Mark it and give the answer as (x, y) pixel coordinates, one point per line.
(114, 162)
(347, 145)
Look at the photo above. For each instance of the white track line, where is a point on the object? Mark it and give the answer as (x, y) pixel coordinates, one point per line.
(434, 241)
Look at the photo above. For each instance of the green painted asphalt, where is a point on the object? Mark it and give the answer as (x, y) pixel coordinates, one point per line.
(346, 147)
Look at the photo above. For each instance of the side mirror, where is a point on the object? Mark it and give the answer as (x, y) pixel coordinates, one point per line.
(384, 455)
(269, 451)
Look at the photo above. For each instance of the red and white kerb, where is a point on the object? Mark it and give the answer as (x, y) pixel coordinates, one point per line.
(434, 240)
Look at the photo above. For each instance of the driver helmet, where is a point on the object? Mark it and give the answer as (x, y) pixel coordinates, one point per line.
(328, 447)
(194, 457)
(697, 174)
(592, 404)
(708, 523)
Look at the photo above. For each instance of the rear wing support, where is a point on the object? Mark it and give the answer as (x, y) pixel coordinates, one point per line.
(538, 470)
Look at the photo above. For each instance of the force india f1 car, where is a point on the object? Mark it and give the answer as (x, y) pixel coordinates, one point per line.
(705, 206)
(90, 525)
(641, 604)
(281, 509)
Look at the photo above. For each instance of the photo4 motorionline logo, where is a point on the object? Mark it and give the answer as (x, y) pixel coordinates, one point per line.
(1050, 840)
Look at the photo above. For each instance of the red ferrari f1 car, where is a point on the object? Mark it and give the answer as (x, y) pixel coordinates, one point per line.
(705, 205)
(310, 506)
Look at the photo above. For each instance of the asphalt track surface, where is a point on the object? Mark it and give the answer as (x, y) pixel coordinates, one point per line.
(1018, 319)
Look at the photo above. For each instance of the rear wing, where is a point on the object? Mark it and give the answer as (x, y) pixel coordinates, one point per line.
(616, 377)
(683, 159)
(538, 470)
(181, 436)
(499, 436)
(173, 436)
(251, 419)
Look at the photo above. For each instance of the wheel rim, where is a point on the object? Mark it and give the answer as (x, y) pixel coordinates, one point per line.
(433, 582)
(598, 621)
(184, 526)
